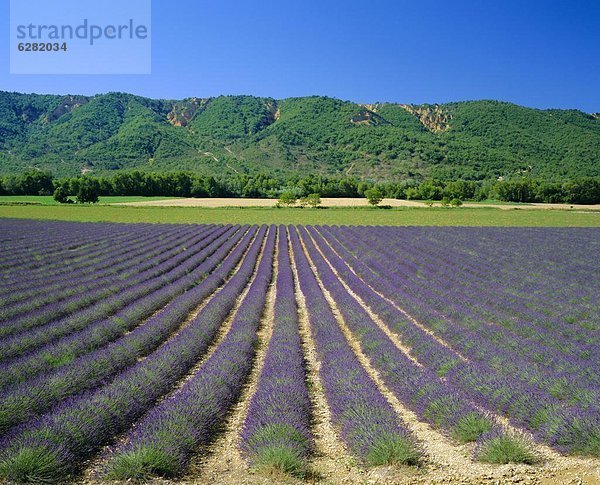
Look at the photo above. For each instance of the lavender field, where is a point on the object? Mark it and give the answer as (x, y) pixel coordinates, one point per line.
(243, 353)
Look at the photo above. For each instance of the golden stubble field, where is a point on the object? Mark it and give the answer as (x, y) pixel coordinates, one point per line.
(335, 202)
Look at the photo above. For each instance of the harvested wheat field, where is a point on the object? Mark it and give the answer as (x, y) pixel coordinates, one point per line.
(335, 202)
(298, 354)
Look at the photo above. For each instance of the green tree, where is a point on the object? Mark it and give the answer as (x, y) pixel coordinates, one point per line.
(311, 200)
(35, 182)
(518, 190)
(60, 195)
(412, 193)
(430, 190)
(199, 188)
(88, 192)
(314, 200)
(374, 196)
(287, 198)
(583, 191)
(460, 189)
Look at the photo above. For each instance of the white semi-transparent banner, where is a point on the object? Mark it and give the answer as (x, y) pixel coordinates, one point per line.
(80, 37)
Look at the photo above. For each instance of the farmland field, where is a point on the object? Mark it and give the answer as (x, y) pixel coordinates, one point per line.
(397, 216)
(246, 353)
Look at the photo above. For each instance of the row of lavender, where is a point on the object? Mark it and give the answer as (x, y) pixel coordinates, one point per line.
(579, 363)
(119, 262)
(80, 248)
(74, 383)
(178, 425)
(106, 377)
(161, 274)
(115, 385)
(94, 358)
(278, 422)
(555, 397)
(367, 422)
(439, 310)
(498, 265)
(126, 266)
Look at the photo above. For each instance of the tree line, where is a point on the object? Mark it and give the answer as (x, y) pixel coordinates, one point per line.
(85, 188)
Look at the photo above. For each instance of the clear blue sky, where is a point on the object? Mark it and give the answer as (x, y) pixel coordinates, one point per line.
(536, 53)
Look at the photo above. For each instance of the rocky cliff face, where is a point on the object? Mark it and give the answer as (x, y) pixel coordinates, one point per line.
(368, 116)
(431, 116)
(275, 112)
(184, 111)
(372, 107)
(66, 105)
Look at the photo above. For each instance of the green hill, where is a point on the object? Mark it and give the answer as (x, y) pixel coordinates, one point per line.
(474, 140)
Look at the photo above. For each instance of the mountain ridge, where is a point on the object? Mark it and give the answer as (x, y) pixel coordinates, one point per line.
(471, 140)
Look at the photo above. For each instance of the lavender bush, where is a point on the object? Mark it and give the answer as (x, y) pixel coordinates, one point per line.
(276, 434)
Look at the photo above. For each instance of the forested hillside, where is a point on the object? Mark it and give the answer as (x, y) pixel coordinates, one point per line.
(475, 140)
